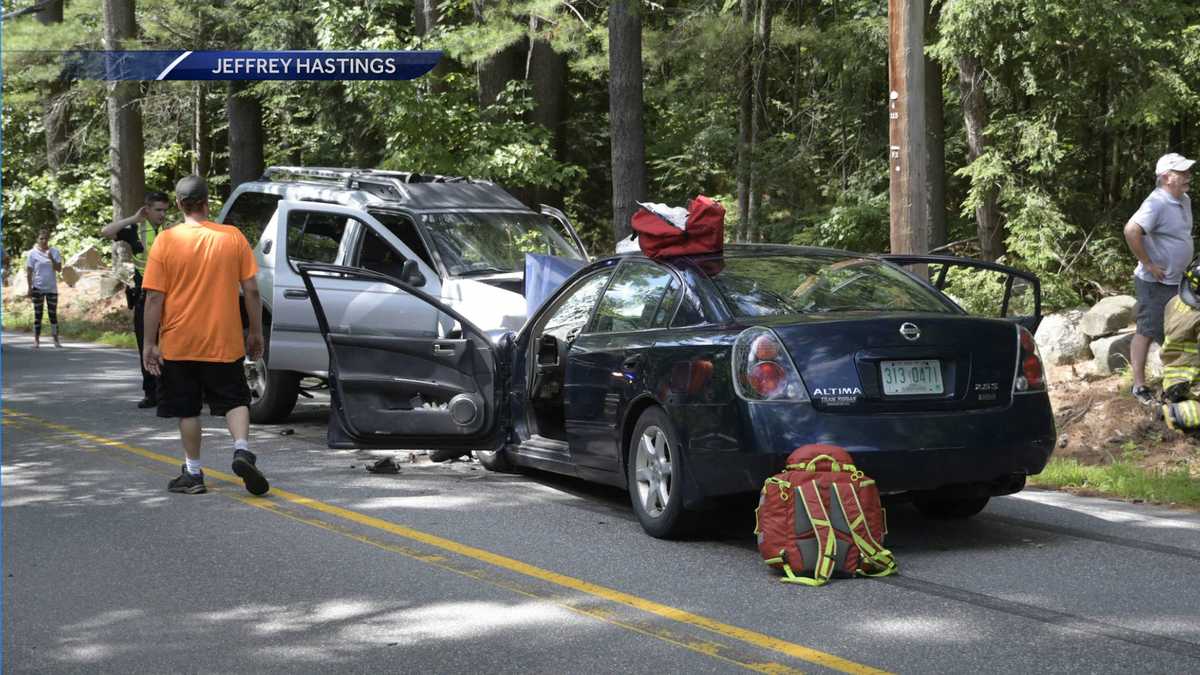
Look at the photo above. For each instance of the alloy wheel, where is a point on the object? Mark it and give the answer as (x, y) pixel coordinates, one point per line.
(653, 466)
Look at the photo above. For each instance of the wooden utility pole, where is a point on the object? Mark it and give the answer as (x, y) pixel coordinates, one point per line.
(906, 112)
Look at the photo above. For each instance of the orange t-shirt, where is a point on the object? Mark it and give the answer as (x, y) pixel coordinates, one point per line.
(199, 268)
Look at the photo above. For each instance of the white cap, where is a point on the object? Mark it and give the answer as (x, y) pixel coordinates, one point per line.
(1172, 162)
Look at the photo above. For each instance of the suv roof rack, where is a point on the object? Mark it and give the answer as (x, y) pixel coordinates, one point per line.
(381, 183)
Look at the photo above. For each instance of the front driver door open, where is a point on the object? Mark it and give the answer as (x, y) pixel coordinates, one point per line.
(407, 390)
(1019, 292)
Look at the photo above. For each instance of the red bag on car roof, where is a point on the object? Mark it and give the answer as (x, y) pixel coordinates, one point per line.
(704, 231)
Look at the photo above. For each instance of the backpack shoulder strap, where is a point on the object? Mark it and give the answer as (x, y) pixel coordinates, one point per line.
(875, 560)
(824, 544)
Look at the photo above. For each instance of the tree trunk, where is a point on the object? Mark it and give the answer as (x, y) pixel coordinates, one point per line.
(245, 135)
(201, 142)
(496, 72)
(426, 17)
(57, 116)
(762, 48)
(935, 138)
(625, 112)
(745, 148)
(125, 146)
(548, 78)
(974, 107)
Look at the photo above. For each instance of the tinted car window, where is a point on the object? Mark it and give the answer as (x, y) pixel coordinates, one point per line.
(314, 237)
(251, 212)
(634, 299)
(405, 231)
(572, 311)
(797, 284)
(377, 255)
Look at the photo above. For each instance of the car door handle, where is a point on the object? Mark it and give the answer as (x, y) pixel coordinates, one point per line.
(443, 350)
(632, 362)
(295, 295)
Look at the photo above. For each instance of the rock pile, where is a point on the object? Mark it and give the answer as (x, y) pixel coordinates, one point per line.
(1102, 334)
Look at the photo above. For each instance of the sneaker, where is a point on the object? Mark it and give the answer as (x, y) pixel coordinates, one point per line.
(1144, 395)
(147, 402)
(187, 483)
(243, 466)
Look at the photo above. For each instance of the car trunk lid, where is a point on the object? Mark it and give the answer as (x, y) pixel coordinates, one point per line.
(893, 363)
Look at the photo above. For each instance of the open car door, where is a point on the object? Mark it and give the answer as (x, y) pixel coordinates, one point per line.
(411, 390)
(1010, 293)
(565, 222)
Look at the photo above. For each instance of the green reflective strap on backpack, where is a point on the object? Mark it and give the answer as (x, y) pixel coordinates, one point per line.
(872, 553)
(823, 544)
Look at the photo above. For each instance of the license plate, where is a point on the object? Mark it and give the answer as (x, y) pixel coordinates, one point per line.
(909, 378)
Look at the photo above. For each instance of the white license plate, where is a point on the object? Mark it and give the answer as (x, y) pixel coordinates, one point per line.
(908, 378)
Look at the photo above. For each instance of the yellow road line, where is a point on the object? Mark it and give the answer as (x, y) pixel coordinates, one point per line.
(747, 636)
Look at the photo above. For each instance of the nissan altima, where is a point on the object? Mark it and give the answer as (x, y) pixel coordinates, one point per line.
(691, 378)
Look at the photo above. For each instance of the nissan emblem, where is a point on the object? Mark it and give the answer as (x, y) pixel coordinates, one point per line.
(910, 331)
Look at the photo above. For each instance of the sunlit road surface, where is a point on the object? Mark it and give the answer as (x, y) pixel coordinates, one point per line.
(450, 568)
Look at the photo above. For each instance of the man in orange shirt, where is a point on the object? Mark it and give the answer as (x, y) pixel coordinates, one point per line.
(194, 341)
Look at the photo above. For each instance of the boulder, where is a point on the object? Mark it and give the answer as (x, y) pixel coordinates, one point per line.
(1112, 353)
(1060, 339)
(70, 275)
(100, 284)
(87, 259)
(1108, 316)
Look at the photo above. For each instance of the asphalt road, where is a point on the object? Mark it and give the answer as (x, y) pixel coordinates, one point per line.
(449, 568)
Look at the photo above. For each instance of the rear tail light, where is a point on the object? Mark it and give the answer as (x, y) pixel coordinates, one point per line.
(762, 369)
(1030, 374)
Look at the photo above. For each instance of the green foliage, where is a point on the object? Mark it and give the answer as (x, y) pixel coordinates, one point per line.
(1076, 116)
(1122, 479)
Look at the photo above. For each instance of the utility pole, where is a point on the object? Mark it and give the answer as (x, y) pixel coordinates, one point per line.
(906, 127)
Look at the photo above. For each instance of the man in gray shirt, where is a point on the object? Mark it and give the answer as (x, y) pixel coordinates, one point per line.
(1160, 237)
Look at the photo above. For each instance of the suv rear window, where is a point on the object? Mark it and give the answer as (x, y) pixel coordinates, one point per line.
(313, 236)
(251, 212)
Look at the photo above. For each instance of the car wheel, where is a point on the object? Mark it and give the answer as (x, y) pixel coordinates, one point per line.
(934, 506)
(273, 393)
(495, 460)
(654, 470)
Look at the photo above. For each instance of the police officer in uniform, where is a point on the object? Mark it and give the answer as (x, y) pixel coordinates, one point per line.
(139, 231)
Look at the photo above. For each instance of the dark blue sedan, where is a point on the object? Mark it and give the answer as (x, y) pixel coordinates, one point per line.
(694, 377)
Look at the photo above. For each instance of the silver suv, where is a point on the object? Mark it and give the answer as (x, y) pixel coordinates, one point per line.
(461, 240)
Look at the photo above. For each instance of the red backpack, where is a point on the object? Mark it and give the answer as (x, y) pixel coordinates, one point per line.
(704, 233)
(821, 516)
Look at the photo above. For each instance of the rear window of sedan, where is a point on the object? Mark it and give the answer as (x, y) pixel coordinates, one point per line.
(798, 284)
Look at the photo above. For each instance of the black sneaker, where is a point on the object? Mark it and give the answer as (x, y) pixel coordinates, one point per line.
(243, 466)
(187, 483)
(147, 402)
(1144, 395)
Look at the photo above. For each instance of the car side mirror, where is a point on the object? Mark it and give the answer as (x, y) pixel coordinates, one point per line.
(411, 274)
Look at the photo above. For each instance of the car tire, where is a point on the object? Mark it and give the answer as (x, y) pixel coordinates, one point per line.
(495, 460)
(654, 468)
(273, 393)
(949, 508)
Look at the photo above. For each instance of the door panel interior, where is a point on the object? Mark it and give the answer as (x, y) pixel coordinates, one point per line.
(406, 390)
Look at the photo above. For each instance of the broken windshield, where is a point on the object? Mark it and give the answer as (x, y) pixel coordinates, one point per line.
(490, 243)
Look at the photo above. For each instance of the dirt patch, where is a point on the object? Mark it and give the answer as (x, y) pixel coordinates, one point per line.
(110, 314)
(1099, 422)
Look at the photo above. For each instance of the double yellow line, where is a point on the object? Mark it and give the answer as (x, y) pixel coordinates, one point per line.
(718, 628)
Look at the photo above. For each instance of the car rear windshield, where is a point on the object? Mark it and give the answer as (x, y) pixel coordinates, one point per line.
(803, 284)
(486, 243)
